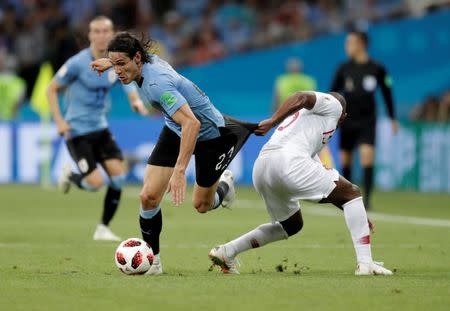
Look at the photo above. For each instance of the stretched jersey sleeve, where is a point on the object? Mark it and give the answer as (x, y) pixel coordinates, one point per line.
(327, 105)
(165, 93)
(68, 72)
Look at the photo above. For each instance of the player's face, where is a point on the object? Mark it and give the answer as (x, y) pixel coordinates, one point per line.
(353, 45)
(127, 69)
(100, 33)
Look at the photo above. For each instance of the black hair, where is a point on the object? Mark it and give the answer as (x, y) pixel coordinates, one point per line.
(125, 42)
(362, 35)
(341, 100)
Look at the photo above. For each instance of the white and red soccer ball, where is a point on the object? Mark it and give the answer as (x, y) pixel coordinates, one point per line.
(134, 256)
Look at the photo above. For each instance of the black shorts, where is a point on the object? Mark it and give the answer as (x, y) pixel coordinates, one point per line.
(90, 149)
(212, 156)
(353, 135)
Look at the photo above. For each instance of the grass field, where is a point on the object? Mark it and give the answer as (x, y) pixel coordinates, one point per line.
(49, 262)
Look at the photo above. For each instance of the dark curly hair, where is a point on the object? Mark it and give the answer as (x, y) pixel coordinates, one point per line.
(125, 42)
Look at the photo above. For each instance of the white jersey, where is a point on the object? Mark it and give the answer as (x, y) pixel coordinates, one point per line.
(306, 132)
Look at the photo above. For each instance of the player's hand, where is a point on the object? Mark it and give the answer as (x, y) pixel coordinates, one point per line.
(63, 127)
(263, 127)
(101, 65)
(138, 106)
(395, 126)
(177, 186)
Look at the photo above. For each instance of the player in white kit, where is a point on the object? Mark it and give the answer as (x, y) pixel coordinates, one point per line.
(288, 169)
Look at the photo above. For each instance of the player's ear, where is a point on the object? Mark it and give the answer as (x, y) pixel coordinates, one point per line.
(137, 57)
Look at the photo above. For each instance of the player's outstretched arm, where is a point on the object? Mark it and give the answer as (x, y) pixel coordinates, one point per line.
(292, 104)
(101, 65)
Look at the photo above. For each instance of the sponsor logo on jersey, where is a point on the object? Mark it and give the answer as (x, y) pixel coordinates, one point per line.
(168, 99)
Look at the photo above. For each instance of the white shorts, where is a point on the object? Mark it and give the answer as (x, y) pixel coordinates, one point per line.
(284, 179)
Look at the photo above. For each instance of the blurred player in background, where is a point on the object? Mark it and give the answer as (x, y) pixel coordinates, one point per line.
(84, 125)
(294, 80)
(358, 79)
(288, 169)
(193, 126)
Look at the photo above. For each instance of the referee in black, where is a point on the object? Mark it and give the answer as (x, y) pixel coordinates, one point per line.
(358, 79)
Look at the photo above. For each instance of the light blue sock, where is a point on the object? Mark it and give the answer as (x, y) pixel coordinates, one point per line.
(150, 213)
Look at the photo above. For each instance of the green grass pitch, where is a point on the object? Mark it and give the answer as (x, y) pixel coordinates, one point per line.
(48, 260)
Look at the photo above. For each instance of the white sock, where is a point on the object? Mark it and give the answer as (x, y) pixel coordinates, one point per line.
(356, 219)
(258, 237)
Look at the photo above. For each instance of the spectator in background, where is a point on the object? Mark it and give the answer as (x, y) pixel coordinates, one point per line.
(123, 14)
(292, 81)
(170, 34)
(208, 47)
(12, 89)
(30, 46)
(64, 43)
(236, 35)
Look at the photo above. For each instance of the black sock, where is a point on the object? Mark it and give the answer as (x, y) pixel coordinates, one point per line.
(368, 185)
(76, 179)
(110, 204)
(347, 172)
(222, 190)
(151, 229)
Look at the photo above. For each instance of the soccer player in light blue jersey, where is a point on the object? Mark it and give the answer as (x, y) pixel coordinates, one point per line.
(193, 126)
(84, 125)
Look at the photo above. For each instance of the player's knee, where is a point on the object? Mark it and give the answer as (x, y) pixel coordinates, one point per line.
(117, 182)
(293, 224)
(148, 200)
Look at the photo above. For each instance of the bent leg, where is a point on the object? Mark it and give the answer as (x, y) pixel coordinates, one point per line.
(203, 197)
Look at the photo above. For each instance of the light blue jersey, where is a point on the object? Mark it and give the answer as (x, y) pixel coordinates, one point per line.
(86, 98)
(166, 90)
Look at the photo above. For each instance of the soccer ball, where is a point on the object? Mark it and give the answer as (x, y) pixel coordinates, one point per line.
(134, 256)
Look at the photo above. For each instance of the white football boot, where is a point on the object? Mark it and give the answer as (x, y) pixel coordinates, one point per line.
(64, 182)
(103, 233)
(156, 268)
(228, 178)
(373, 268)
(228, 265)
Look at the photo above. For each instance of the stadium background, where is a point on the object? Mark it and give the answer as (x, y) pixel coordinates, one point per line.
(48, 260)
(411, 40)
